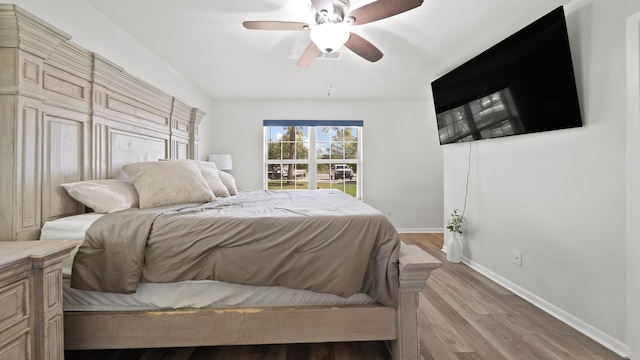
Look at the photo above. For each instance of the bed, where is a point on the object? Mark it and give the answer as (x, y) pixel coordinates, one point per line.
(259, 314)
(293, 249)
(71, 116)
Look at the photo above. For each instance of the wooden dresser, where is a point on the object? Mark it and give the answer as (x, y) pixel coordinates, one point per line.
(31, 299)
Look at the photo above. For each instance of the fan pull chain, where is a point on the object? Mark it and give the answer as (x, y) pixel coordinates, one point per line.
(330, 77)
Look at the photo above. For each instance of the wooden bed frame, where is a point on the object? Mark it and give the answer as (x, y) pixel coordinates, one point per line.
(68, 114)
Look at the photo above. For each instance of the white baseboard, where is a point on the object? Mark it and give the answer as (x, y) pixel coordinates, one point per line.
(588, 330)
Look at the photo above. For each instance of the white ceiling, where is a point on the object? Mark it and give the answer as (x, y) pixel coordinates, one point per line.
(206, 42)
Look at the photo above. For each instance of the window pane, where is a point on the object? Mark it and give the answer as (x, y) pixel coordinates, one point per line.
(274, 151)
(323, 150)
(322, 175)
(302, 150)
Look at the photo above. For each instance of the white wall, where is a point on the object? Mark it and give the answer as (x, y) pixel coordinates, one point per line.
(560, 197)
(402, 167)
(93, 31)
(633, 161)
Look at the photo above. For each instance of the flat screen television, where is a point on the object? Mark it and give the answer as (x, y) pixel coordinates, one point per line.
(523, 84)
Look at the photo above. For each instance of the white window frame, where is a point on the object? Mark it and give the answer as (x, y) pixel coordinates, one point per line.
(313, 161)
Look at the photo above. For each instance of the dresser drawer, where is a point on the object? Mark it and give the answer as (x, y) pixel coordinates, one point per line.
(14, 309)
(18, 348)
(31, 317)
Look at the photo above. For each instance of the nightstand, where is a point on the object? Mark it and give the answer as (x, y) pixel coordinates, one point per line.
(31, 299)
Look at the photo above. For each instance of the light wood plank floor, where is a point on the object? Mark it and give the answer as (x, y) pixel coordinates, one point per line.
(463, 316)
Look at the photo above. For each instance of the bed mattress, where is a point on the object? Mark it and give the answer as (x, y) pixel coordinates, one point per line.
(185, 294)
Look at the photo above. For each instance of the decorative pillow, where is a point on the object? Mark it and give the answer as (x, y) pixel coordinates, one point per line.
(229, 182)
(161, 183)
(210, 173)
(104, 196)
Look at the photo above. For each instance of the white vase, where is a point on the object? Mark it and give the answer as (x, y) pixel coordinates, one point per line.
(454, 248)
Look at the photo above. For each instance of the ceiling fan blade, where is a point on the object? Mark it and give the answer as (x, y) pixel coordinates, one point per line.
(362, 47)
(311, 53)
(320, 5)
(381, 9)
(275, 25)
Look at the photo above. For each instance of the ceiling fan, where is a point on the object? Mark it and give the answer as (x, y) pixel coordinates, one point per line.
(331, 28)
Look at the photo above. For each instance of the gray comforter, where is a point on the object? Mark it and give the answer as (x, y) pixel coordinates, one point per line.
(317, 240)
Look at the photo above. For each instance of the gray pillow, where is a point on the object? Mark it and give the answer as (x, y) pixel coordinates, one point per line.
(161, 183)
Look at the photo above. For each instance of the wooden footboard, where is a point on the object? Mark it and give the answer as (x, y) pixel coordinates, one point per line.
(241, 326)
(268, 325)
(415, 268)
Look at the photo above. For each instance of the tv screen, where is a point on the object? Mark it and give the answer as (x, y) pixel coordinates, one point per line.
(524, 84)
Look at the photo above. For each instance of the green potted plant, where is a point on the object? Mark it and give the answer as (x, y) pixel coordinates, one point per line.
(455, 222)
(454, 245)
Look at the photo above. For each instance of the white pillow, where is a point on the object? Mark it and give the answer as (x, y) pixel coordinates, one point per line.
(229, 182)
(104, 196)
(161, 183)
(210, 173)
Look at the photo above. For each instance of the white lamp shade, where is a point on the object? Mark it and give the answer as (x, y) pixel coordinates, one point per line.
(222, 161)
(329, 37)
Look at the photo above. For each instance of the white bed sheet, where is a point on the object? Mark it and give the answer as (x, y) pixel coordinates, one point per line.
(68, 228)
(186, 294)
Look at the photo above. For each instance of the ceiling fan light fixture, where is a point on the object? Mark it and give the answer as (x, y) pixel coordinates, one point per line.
(329, 37)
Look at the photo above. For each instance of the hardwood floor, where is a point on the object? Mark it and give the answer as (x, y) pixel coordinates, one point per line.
(462, 316)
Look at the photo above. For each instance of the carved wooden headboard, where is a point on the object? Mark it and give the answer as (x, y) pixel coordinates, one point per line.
(68, 114)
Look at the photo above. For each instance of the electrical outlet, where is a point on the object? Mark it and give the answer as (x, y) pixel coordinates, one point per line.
(388, 213)
(517, 257)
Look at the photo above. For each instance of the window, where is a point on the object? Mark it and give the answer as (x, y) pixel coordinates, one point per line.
(313, 154)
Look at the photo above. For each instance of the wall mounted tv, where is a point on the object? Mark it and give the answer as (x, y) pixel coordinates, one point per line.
(523, 84)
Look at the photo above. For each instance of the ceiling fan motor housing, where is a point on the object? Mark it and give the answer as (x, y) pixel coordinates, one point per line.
(340, 8)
